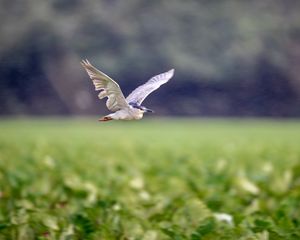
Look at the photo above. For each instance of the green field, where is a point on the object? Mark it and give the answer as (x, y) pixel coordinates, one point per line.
(149, 179)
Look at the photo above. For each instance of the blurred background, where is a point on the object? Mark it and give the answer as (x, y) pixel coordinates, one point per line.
(232, 58)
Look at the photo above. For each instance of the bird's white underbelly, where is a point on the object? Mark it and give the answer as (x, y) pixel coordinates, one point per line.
(128, 114)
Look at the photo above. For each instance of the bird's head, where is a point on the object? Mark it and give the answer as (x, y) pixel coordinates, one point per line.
(142, 108)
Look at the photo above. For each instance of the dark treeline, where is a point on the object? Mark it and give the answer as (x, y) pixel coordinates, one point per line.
(232, 58)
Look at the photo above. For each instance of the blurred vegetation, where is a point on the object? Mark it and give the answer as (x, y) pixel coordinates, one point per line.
(171, 179)
(231, 57)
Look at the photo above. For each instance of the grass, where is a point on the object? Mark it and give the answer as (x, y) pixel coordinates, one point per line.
(150, 179)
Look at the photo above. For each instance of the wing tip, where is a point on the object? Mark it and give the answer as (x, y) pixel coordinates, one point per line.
(171, 72)
(85, 62)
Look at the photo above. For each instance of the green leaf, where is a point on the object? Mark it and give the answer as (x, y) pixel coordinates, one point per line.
(172, 234)
(206, 227)
(4, 225)
(83, 224)
(51, 222)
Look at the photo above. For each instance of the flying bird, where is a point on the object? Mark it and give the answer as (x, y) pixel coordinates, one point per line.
(129, 108)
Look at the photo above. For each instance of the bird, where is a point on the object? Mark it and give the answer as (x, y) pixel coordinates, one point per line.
(128, 108)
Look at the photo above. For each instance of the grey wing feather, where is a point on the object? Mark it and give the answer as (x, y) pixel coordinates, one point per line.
(108, 87)
(140, 93)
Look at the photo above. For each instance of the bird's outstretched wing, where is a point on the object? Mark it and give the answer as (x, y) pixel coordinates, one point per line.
(140, 93)
(108, 87)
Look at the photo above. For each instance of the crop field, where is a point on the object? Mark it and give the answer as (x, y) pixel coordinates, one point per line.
(150, 180)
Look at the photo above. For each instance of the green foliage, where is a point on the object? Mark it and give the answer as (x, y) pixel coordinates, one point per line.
(156, 179)
(204, 229)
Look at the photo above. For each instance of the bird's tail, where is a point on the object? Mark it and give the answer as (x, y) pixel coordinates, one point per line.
(105, 119)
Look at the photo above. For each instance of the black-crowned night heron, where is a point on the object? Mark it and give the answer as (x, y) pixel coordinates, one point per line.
(129, 108)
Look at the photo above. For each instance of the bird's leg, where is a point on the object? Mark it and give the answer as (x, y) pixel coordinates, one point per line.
(105, 119)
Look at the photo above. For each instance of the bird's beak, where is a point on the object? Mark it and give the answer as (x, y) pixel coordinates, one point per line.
(149, 110)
